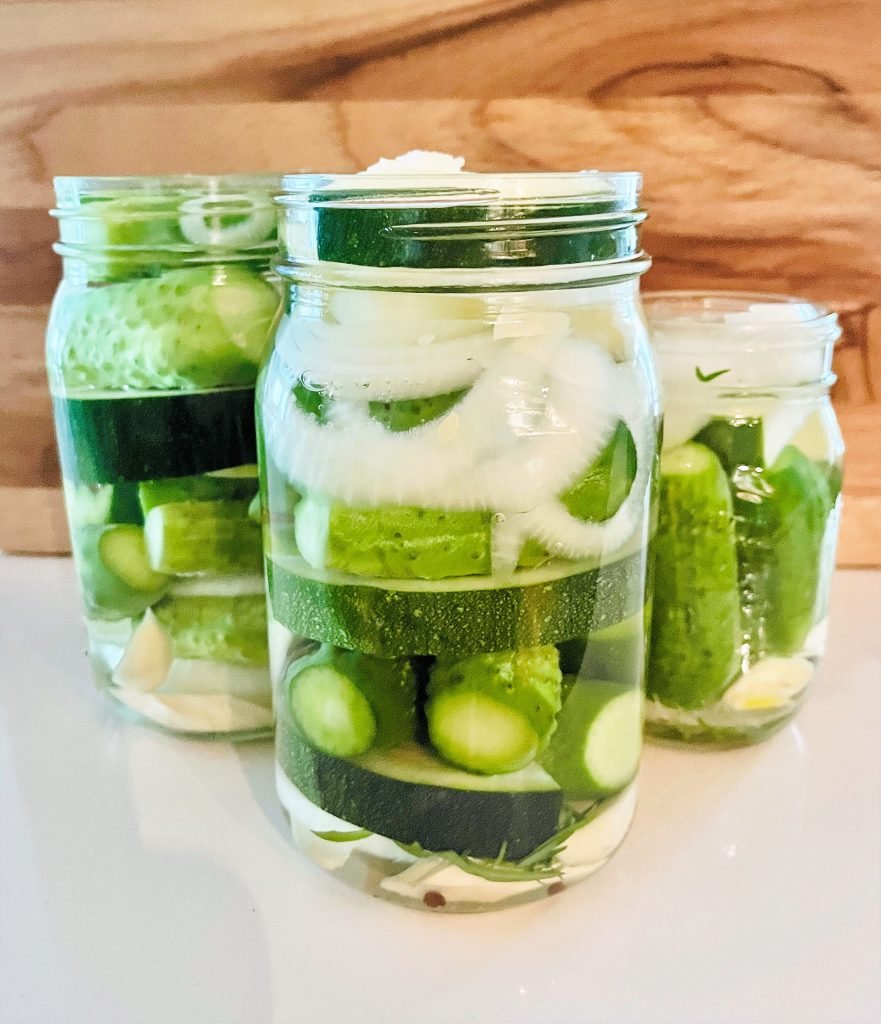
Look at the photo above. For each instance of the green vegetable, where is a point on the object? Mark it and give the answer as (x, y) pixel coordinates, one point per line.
(696, 615)
(617, 652)
(800, 501)
(410, 796)
(345, 702)
(395, 235)
(394, 541)
(189, 537)
(194, 327)
(107, 440)
(737, 442)
(205, 487)
(598, 494)
(594, 751)
(492, 713)
(428, 619)
(125, 224)
(227, 629)
(406, 413)
(116, 578)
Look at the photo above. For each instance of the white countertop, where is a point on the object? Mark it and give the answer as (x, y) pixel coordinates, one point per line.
(149, 879)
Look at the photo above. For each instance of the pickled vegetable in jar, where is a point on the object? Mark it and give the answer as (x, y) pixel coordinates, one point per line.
(458, 426)
(750, 497)
(154, 344)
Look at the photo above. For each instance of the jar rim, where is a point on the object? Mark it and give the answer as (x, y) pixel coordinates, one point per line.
(724, 312)
(71, 190)
(385, 190)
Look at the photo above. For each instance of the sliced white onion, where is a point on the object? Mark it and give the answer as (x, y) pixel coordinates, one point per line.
(534, 419)
(360, 307)
(200, 220)
(565, 535)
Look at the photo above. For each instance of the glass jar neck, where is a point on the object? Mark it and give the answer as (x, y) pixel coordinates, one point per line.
(112, 228)
(461, 230)
(727, 343)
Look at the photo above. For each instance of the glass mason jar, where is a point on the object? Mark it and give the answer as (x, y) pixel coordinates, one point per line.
(154, 343)
(748, 514)
(458, 422)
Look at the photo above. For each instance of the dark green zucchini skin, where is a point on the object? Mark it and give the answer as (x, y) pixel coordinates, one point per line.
(400, 623)
(523, 233)
(109, 440)
(475, 822)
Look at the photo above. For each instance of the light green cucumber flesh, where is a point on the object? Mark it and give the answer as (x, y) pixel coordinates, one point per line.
(203, 487)
(477, 733)
(123, 551)
(387, 684)
(191, 537)
(594, 751)
(332, 712)
(492, 712)
(696, 631)
(392, 541)
(106, 594)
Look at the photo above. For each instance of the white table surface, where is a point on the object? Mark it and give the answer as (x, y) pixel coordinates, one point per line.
(149, 879)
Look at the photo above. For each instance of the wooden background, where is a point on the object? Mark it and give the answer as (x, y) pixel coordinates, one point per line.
(757, 126)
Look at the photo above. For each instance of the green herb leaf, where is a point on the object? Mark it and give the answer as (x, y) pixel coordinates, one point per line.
(332, 836)
(704, 377)
(539, 866)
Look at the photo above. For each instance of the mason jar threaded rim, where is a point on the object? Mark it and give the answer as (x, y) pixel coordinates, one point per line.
(464, 229)
(179, 215)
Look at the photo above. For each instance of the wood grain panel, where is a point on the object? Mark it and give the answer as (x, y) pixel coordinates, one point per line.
(757, 124)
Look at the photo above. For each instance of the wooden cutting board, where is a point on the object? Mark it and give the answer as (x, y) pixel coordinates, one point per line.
(757, 126)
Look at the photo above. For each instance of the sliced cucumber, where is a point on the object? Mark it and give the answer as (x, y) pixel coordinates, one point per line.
(206, 487)
(132, 234)
(599, 493)
(106, 440)
(197, 327)
(738, 442)
(372, 617)
(227, 629)
(410, 796)
(594, 751)
(332, 712)
(407, 413)
(696, 615)
(106, 594)
(125, 506)
(393, 541)
(123, 551)
(616, 653)
(191, 537)
(492, 713)
(381, 232)
(346, 703)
